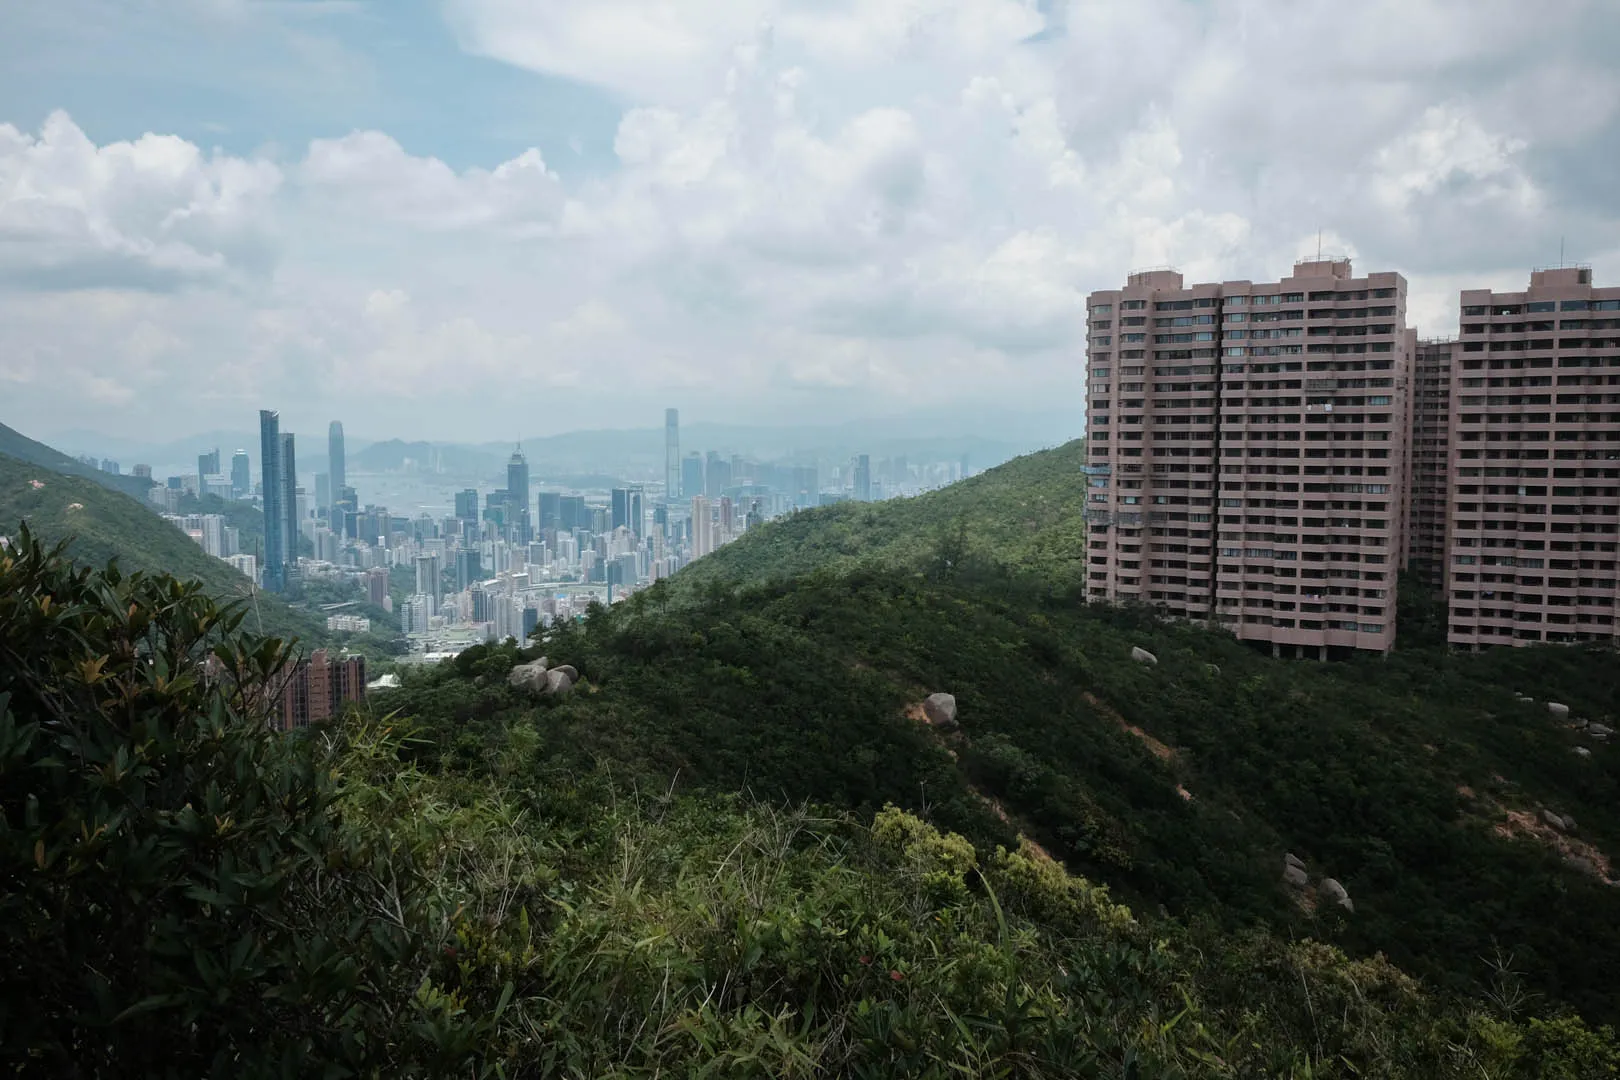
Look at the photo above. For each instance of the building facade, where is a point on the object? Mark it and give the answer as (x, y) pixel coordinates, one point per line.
(241, 475)
(336, 466)
(318, 688)
(517, 498)
(1431, 460)
(1248, 452)
(672, 455)
(862, 484)
(291, 509)
(692, 475)
(207, 466)
(1534, 504)
(275, 550)
(628, 509)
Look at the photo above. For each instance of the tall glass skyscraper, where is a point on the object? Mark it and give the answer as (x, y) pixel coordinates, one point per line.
(517, 496)
(275, 549)
(241, 475)
(467, 510)
(207, 465)
(692, 475)
(672, 454)
(336, 466)
(550, 510)
(288, 465)
(628, 509)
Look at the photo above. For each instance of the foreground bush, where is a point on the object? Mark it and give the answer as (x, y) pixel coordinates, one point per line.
(183, 893)
(179, 891)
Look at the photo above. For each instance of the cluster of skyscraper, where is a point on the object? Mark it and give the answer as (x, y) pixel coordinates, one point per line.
(513, 556)
(279, 493)
(1268, 456)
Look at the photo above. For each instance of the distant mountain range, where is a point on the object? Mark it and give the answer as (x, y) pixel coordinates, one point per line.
(638, 453)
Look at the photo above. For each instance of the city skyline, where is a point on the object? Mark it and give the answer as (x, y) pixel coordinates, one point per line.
(914, 220)
(507, 554)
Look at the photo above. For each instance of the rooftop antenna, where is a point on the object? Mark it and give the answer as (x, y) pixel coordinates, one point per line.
(1560, 253)
(1318, 243)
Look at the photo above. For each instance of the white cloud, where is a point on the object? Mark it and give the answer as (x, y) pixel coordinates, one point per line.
(650, 49)
(150, 213)
(370, 172)
(1447, 148)
(860, 203)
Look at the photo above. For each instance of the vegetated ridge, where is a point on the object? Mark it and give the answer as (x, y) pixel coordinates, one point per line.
(737, 845)
(187, 893)
(100, 525)
(1025, 515)
(14, 444)
(1182, 783)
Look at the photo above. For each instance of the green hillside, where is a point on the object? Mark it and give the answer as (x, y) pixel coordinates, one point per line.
(1024, 514)
(14, 444)
(102, 525)
(1417, 781)
(189, 894)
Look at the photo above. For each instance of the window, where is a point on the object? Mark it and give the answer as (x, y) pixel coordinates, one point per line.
(1103, 309)
(1132, 305)
(1540, 305)
(1474, 309)
(1574, 305)
(1236, 301)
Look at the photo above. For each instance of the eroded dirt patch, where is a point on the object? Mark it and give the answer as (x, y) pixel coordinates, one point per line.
(1155, 747)
(1524, 824)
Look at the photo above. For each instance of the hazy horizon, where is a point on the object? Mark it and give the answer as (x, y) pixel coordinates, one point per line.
(473, 219)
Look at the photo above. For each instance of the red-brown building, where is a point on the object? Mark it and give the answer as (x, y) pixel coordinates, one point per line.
(317, 689)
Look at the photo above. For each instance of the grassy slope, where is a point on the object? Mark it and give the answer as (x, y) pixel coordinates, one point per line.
(111, 525)
(798, 691)
(797, 688)
(1025, 513)
(14, 444)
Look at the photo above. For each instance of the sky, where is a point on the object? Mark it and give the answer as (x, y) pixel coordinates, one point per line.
(480, 219)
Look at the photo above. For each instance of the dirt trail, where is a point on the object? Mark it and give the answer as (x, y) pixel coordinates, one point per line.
(1157, 748)
(919, 715)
